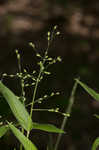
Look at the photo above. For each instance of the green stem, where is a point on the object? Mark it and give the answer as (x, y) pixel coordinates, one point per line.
(36, 85)
(34, 95)
(38, 78)
(35, 90)
(22, 91)
(68, 111)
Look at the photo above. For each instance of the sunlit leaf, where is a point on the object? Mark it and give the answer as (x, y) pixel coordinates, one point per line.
(47, 127)
(89, 90)
(95, 144)
(97, 116)
(28, 145)
(17, 107)
(3, 130)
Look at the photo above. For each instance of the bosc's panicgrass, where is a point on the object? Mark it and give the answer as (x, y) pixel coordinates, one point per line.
(18, 104)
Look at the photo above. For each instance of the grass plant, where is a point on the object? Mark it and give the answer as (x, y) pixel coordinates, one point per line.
(18, 104)
(95, 95)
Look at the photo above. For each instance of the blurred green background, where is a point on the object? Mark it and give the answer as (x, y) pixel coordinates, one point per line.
(23, 21)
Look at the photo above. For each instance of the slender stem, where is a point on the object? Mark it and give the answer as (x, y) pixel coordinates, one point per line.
(21, 79)
(38, 78)
(22, 90)
(52, 110)
(40, 109)
(68, 111)
(36, 85)
(34, 95)
(35, 90)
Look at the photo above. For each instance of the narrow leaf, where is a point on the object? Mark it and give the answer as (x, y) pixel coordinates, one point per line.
(28, 145)
(17, 107)
(95, 144)
(47, 128)
(97, 116)
(89, 90)
(3, 130)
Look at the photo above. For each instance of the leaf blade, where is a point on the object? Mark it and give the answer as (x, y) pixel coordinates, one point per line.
(90, 91)
(28, 145)
(95, 144)
(16, 107)
(3, 130)
(47, 128)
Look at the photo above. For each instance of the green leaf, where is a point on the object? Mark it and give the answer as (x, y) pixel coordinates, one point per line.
(3, 130)
(97, 116)
(95, 144)
(89, 90)
(16, 107)
(47, 128)
(28, 145)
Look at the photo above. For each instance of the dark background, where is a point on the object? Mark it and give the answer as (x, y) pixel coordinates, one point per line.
(22, 21)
